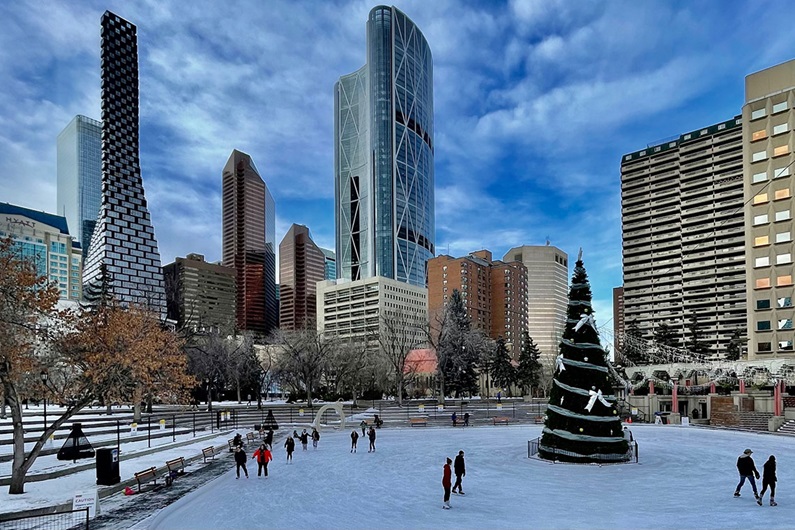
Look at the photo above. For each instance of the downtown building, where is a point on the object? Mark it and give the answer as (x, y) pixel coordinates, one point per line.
(330, 264)
(199, 295)
(619, 326)
(79, 170)
(302, 265)
(384, 156)
(683, 236)
(123, 259)
(767, 147)
(249, 244)
(494, 294)
(547, 295)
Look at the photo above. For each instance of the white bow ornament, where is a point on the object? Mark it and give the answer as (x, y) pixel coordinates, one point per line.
(592, 401)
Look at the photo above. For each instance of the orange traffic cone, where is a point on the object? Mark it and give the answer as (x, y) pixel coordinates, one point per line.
(629, 420)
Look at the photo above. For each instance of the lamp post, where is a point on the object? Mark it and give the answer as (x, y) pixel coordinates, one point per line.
(44, 382)
(209, 396)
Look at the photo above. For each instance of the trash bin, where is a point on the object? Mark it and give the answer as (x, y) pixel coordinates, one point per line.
(108, 467)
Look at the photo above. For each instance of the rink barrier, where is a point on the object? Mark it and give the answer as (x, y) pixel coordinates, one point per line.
(631, 456)
(67, 520)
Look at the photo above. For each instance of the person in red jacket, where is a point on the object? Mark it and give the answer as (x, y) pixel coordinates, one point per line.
(446, 483)
(262, 456)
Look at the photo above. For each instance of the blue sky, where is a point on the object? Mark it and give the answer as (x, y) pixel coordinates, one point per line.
(535, 102)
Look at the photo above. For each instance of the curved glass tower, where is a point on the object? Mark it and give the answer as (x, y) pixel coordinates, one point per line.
(383, 156)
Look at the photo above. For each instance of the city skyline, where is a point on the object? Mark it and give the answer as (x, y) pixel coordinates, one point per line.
(535, 103)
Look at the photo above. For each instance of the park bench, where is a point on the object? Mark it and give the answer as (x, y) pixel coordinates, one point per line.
(417, 422)
(539, 419)
(148, 475)
(176, 468)
(501, 419)
(250, 437)
(210, 452)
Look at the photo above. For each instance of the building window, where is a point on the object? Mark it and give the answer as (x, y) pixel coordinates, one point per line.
(758, 135)
(760, 219)
(761, 240)
(782, 194)
(784, 280)
(760, 198)
(783, 237)
(760, 177)
(763, 346)
(781, 128)
(763, 304)
(762, 262)
(759, 156)
(763, 283)
(758, 113)
(784, 301)
(781, 150)
(783, 215)
(785, 345)
(781, 172)
(780, 107)
(763, 325)
(785, 323)
(782, 259)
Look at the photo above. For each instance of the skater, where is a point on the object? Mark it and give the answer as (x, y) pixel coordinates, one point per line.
(363, 427)
(249, 401)
(240, 460)
(747, 469)
(262, 456)
(378, 422)
(304, 439)
(371, 435)
(289, 445)
(237, 441)
(269, 438)
(454, 418)
(466, 419)
(499, 397)
(295, 434)
(769, 479)
(315, 437)
(354, 440)
(446, 476)
(460, 471)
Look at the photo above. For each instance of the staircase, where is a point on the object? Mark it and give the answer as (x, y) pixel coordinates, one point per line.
(753, 421)
(787, 428)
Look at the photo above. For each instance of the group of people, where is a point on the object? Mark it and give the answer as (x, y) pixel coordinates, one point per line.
(459, 467)
(748, 471)
(454, 419)
(370, 435)
(262, 455)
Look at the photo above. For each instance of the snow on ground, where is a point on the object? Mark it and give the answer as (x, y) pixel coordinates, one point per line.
(685, 479)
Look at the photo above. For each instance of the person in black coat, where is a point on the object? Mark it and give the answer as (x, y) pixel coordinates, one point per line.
(289, 445)
(460, 471)
(371, 435)
(747, 469)
(269, 438)
(240, 461)
(304, 439)
(354, 440)
(769, 479)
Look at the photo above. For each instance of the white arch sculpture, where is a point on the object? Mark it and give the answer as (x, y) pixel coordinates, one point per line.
(336, 406)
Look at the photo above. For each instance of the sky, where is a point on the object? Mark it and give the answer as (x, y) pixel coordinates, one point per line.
(535, 103)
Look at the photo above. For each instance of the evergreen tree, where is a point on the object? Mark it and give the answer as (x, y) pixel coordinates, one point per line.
(582, 422)
(457, 353)
(694, 343)
(528, 374)
(632, 348)
(734, 349)
(664, 336)
(502, 371)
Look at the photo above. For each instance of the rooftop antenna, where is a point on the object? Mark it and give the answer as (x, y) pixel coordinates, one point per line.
(579, 255)
(547, 240)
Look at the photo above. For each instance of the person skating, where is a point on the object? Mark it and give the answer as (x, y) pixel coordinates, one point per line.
(315, 437)
(237, 440)
(460, 472)
(304, 439)
(466, 419)
(289, 445)
(363, 427)
(747, 469)
(262, 456)
(371, 435)
(769, 479)
(240, 460)
(446, 476)
(269, 438)
(354, 440)
(454, 419)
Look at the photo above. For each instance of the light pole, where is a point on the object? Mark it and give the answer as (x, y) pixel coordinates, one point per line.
(44, 382)
(209, 396)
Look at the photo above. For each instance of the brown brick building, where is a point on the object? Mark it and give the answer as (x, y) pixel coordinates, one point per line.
(301, 265)
(494, 292)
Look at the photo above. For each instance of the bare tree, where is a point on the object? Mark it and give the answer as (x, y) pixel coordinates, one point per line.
(304, 356)
(400, 332)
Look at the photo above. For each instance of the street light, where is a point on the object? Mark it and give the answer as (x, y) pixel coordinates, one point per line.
(209, 395)
(44, 381)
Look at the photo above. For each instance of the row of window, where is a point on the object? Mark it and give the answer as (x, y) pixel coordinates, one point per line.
(780, 215)
(781, 259)
(777, 151)
(764, 325)
(762, 198)
(781, 281)
(761, 113)
(784, 301)
(777, 173)
(781, 237)
(768, 346)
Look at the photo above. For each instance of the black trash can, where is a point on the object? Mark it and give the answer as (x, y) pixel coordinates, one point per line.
(108, 467)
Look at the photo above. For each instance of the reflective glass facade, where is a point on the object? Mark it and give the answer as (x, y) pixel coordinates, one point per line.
(80, 176)
(384, 180)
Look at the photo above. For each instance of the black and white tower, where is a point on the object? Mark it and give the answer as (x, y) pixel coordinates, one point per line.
(123, 260)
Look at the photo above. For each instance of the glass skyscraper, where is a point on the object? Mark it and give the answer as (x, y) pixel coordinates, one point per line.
(123, 257)
(383, 156)
(80, 176)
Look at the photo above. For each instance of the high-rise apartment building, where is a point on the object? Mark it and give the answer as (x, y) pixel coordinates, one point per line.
(249, 243)
(200, 295)
(383, 155)
(44, 239)
(767, 146)
(547, 295)
(618, 319)
(494, 293)
(123, 256)
(330, 265)
(683, 237)
(80, 176)
(301, 267)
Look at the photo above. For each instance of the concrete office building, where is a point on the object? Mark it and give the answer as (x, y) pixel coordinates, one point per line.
(123, 255)
(200, 295)
(767, 146)
(547, 295)
(44, 239)
(683, 237)
(249, 243)
(618, 319)
(301, 267)
(494, 293)
(79, 170)
(383, 155)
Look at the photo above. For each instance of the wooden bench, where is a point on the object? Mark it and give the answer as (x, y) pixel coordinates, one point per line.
(148, 475)
(177, 465)
(539, 419)
(501, 419)
(250, 437)
(417, 422)
(210, 452)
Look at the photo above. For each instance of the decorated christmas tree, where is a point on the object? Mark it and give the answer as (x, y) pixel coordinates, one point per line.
(582, 423)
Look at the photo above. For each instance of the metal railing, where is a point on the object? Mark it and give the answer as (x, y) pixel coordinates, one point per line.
(631, 455)
(69, 520)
